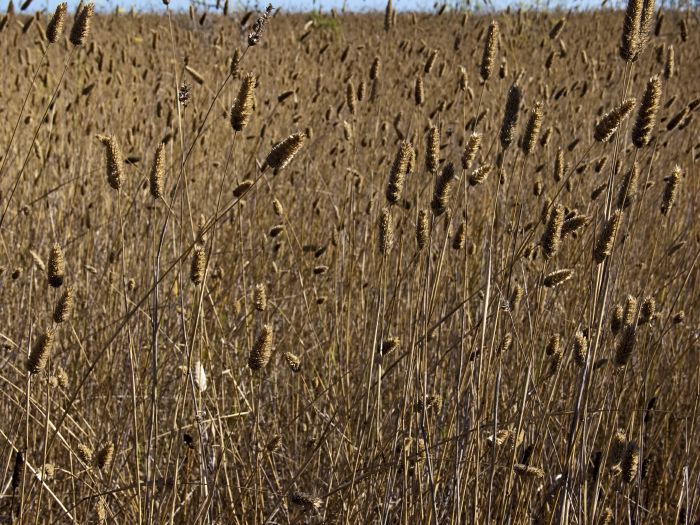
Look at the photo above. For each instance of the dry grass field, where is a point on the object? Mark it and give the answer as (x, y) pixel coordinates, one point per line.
(402, 268)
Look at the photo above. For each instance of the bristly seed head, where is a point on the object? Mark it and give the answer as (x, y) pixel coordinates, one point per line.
(55, 27)
(432, 150)
(81, 25)
(56, 270)
(646, 116)
(262, 349)
(532, 129)
(510, 116)
(670, 190)
(610, 122)
(157, 172)
(606, 240)
(551, 238)
(115, 161)
(386, 232)
(443, 187)
(422, 229)
(64, 306)
(242, 107)
(283, 152)
(39, 356)
(470, 150)
(490, 50)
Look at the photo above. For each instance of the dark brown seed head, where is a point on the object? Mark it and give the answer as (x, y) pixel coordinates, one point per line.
(625, 345)
(234, 66)
(283, 152)
(386, 232)
(460, 237)
(617, 319)
(443, 187)
(606, 240)
(17, 470)
(56, 270)
(647, 312)
(557, 277)
(470, 150)
(430, 62)
(628, 189)
(55, 27)
(85, 454)
(305, 502)
(490, 50)
(527, 471)
(580, 348)
(510, 116)
(399, 169)
(81, 26)
(157, 172)
(422, 228)
(432, 150)
(630, 462)
(199, 263)
(551, 238)
(516, 297)
(114, 161)
(293, 362)
(610, 122)
(480, 174)
(646, 116)
(242, 108)
(389, 345)
(532, 129)
(629, 45)
(262, 349)
(104, 457)
(64, 306)
(670, 190)
(39, 356)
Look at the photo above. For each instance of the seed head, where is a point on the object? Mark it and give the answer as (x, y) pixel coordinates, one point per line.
(260, 297)
(104, 457)
(628, 189)
(625, 345)
(527, 471)
(283, 152)
(55, 27)
(629, 45)
(630, 462)
(306, 502)
(670, 190)
(114, 160)
(432, 150)
(580, 348)
(490, 50)
(56, 270)
(670, 65)
(81, 26)
(418, 91)
(532, 129)
(199, 263)
(85, 454)
(460, 237)
(422, 228)
(293, 362)
(386, 232)
(480, 174)
(242, 108)
(610, 122)
(157, 172)
(443, 187)
(17, 470)
(470, 150)
(648, 311)
(646, 116)
(606, 241)
(64, 306)
(39, 355)
(557, 277)
(510, 116)
(551, 238)
(351, 97)
(399, 170)
(262, 349)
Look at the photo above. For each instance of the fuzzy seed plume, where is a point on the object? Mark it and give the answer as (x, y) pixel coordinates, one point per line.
(85, 454)
(56, 270)
(580, 348)
(573, 224)
(647, 312)
(114, 161)
(283, 152)
(386, 232)
(242, 107)
(54, 29)
(260, 297)
(262, 349)
(490, 49)
(646, 115)
(645, 23)
(39, 355)
(302, 500)
(199, 263)
(293, 362)
(422, 229)
(624, 346)
(351, 97)
(443, 188)
(399, 170)
(557, 277)
(480, 174)
(419, 91)
(516, 298)
(157, 172)
(470, 150)
(432, 150)
(629, 45)
(64, 306)
(510, 116)
(532, 128)
(670, 190)
(551, 238)
(242, 188)
(559, 166)
(606, 240)
(460, 236)
(610, 122)
(617, 319)
(630, 462)
(81, 25)
(630, 311)
(670, 65)
(628, 188)
(104, 457)
(527, 471)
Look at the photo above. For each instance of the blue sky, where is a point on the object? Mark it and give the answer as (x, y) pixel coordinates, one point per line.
(304, 5)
